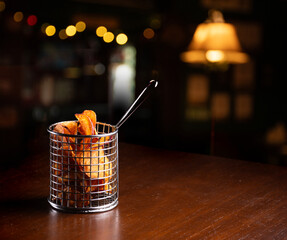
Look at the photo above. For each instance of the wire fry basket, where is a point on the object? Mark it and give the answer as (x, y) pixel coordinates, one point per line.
(84, 170)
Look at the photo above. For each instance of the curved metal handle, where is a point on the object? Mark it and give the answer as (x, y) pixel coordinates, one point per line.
(140, 99)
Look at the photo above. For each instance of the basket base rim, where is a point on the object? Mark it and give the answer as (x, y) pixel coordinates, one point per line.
(105, 208)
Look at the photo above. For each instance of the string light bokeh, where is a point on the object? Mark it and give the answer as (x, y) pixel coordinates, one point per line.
(80, 26)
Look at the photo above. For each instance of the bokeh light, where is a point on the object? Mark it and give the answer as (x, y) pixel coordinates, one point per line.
(32, 20)
(101, 31)
(121, 39)
(18, 16)
(155, 23)
(2, 6)
(50, 30)
(80, 26)
(71, 30)
(62, 34)
(43, 27)
(108, 37)
(99, 68)
(148, 33)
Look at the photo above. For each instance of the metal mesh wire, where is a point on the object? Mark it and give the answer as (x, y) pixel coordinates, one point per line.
(84, 170)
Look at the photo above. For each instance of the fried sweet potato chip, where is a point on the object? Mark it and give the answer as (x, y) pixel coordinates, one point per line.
(71, 126)
(85, 128)
(94, 163)
(62, 157)
(86, 125)
(68, 128)
(93, 117)
(95, 186)
(81, 170)
(59, 129)
(73, 198)
(63, 149)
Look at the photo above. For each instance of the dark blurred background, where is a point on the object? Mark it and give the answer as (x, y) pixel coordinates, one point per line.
(235, 110)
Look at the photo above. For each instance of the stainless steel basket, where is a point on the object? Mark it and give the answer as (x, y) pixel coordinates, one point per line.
(84, 170)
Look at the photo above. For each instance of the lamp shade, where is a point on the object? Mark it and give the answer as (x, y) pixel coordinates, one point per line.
(214, 42)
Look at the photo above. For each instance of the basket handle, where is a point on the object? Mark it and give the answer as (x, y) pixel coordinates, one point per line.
(140, 99)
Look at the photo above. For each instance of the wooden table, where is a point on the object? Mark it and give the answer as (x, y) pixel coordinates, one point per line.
(163, 195)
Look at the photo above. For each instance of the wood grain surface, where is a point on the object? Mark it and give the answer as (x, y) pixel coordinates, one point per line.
(163, 195)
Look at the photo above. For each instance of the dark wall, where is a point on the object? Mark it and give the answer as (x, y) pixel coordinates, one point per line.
(162, 120)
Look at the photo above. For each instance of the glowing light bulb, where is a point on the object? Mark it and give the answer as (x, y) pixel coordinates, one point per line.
(18, 16)
(71, 30)
(148, 33)
(101, 31)
(214, 55)
(80, 26)
(121, 39)
(108, 37)
(50, 30)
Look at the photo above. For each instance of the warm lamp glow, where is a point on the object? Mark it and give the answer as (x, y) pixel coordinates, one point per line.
(108, 37)
(50, 30)
(80, 26)
(214, 55)
(18, 16)
(215, 42)
(215, 36)
(62, 34)
(44, 26)
(2, 6)
(71, 30)
(121, 39)
(101, 30)
(148, 33)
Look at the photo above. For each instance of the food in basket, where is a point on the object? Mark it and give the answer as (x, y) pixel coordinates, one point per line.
(80, 166)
